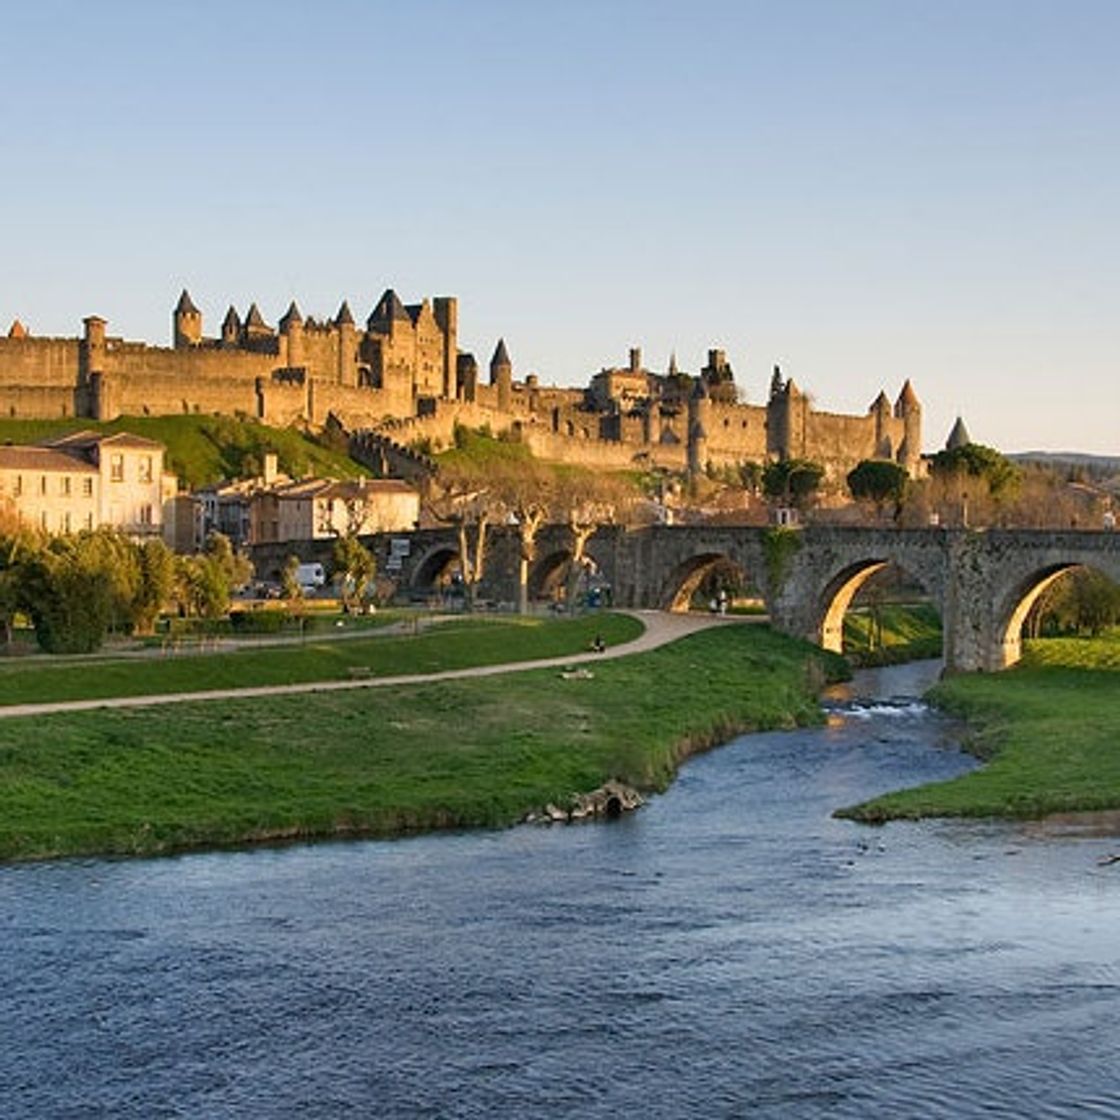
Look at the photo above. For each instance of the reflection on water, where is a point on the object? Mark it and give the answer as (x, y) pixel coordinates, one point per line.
(731, 950)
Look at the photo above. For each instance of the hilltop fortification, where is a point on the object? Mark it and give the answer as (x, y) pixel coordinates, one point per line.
(402, 375)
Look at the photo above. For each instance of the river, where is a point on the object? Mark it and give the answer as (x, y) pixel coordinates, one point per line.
(730, 950)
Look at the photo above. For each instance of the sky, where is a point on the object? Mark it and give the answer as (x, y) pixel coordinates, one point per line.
(859, 191)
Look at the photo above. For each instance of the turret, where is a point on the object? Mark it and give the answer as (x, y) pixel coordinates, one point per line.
(958, 437)
(231, 328)
(347, 346)
(909, 410)
(699, 421)
(186, 323)
(17, 330)
(501, 375)
(291, 329)
(255, 328)
(880, 411)
(389, 311)
(635, 359)
(777, 386)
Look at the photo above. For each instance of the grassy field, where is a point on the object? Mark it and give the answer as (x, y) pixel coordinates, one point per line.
(204, 449)
(1049, 730)
(380, 762)
(893, 633)
(450, 645)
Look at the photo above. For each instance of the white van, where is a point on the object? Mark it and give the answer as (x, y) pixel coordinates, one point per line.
(311, 576)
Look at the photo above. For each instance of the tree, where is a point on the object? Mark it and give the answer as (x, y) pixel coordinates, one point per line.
(204, 582)
(792, 481)
(354, 567)
(289, 580)
(879, 481)
(155, 586)
(527, 493)
(68, 595)
(462, 498)
(975, 460)
(587, 501)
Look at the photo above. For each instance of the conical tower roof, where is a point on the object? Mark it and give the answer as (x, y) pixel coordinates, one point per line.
(881, 403)
(958, 437)
(292, 317)
(17, 330)
(254, 318)
(344, 318)
(907, 399)
(389, 308)
(231, 321)
(501, 355)
(185, 306)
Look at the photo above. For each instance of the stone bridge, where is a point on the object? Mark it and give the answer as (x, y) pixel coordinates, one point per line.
(982, 582)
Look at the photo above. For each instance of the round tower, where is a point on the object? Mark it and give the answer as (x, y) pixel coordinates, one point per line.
(501, 375)
(347, 346)
(186, 323)
(699, 421)
(291, 329)
(909, 410)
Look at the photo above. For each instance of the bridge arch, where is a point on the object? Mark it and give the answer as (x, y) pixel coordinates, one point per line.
(549, 577)
(435, 568)
(837, 598)
(1024, 593)
(686, 579)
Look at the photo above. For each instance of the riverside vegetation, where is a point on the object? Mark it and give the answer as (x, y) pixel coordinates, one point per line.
(1047, 730)
(479, 752)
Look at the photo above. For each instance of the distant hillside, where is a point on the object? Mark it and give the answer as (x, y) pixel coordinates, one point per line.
(205, 449)
(1103, 464)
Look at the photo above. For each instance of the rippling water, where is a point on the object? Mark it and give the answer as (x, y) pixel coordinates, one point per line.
(731, 950)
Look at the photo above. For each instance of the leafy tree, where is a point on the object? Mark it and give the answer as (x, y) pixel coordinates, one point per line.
(289, 580)
(354, 567)
(879, 481)
(204, 583)
(155, 586)
(975, 460)
(65, 590)
(792, 481)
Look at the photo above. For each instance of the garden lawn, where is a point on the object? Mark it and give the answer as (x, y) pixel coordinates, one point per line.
(455, 644)
(479, 752)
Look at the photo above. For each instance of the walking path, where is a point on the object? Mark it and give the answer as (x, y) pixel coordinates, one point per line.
(660, 629)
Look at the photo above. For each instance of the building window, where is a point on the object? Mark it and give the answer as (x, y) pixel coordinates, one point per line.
(66, 521)
(42, 484)
(89, 521)
(146, 469)
(65, 483)
(19, 485)
(87, 487)
(145, 515)
(116, 468)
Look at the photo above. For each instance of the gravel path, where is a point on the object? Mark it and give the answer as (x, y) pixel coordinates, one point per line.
(660, 628)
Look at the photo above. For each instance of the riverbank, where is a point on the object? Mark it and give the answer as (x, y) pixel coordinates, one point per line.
(378, 762)
(1047, 730)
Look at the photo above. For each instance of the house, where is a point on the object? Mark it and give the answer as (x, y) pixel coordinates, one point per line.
(88, 480)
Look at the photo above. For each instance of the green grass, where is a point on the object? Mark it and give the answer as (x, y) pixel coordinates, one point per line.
(204, 449)
(909, 632)
(450, 645)
(377, 762)
(1049, 730)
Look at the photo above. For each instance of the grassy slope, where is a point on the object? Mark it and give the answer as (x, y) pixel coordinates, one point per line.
(204, 449)
(452, 645)
(1049, 727)
(478, 752)
(910, 631)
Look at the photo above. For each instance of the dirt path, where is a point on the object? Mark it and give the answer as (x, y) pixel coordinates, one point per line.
(660, 628)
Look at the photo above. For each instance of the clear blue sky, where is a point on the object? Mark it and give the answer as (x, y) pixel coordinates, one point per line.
(861, 191)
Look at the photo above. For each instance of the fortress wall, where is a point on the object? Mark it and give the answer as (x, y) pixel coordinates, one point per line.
(191, 363)
(356, 408)
(142, 395)
(320, 353)
(38, 402)
(839, 442)
(37, 362)
(737, 432)
(281, 404)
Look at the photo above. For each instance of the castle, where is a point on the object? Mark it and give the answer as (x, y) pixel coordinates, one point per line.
(404, 378)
